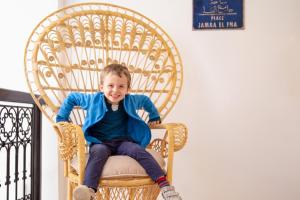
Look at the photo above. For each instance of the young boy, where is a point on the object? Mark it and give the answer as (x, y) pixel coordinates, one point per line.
(112, 127)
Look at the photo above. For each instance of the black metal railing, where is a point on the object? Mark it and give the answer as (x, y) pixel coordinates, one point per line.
(20, 146)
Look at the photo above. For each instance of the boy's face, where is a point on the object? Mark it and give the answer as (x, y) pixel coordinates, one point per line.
(114, 88)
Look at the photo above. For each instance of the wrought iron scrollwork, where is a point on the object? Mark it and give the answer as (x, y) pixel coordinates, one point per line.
(15, 150)
(20, 146)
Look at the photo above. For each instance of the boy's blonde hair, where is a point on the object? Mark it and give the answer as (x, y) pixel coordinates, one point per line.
(116, 69)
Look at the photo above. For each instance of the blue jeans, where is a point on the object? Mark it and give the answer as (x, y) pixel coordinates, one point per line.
(99, 154)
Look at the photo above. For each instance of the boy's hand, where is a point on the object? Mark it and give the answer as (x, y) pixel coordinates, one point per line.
(153, 123)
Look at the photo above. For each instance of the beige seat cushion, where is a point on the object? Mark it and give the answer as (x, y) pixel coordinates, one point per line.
(124, 166)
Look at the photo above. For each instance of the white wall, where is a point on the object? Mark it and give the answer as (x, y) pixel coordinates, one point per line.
(240, 98)
(18, 18)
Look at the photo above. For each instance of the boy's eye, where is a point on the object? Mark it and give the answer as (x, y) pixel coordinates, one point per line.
(121, 86)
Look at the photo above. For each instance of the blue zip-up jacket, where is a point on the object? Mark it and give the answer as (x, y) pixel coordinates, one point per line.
(95, 107)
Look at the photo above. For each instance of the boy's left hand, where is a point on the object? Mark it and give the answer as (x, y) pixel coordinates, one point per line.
(153, 123)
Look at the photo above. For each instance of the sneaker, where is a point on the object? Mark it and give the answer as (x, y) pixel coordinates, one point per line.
(82, 192)
(168, 193)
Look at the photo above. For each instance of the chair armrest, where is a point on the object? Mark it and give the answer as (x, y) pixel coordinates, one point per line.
(71, 142)
(176, 137)
(67, 139)
(177, 132)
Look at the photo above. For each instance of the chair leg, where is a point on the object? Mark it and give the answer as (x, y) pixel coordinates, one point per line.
(107, 193)
(70, 190)
(98, 195)
(132, 192)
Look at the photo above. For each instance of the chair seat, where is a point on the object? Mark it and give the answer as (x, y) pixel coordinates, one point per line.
(120, 166)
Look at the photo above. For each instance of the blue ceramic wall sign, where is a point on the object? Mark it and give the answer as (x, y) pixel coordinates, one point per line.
(217, 14)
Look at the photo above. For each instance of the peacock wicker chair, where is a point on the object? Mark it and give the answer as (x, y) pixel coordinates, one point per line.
(67, 51)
